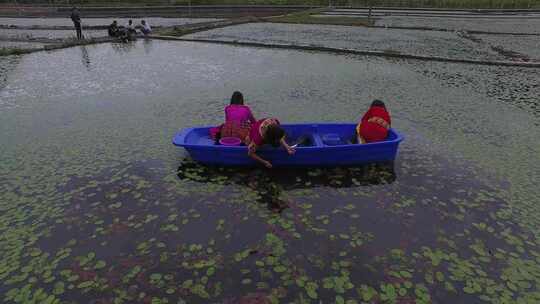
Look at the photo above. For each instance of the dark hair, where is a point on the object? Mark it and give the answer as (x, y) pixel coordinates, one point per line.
(237, 98)
(273, 135)
(378, 103)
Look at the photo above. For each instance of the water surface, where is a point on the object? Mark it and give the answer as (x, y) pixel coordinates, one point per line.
(99, 207)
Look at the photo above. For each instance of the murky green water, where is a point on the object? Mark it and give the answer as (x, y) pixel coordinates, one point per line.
(99, 207)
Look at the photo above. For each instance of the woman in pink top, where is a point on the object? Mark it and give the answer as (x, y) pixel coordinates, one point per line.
(266, 131)
(237, 111)
(238, 119)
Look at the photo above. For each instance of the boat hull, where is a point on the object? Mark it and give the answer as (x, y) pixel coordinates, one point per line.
(327, 145)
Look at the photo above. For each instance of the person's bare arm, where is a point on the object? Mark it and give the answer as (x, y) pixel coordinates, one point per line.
(289, 149)
(252, 148)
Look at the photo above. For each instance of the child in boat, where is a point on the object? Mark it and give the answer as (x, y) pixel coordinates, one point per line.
(266, 131)
(375, 124)
(238, 119)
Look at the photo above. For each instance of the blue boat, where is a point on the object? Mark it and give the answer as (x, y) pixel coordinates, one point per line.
(320, 144)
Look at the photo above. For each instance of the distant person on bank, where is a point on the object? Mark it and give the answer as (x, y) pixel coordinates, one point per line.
(119, 32)
(113, 29)
(145, 28)
(76, 18)
(131, 27)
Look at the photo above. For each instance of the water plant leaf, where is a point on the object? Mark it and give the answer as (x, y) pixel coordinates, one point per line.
(100, 264)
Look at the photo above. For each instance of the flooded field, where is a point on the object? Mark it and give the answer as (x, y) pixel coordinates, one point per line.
(505, 25)
(427, 43)
(48, 34)
(99, 207)
(154, 21)
(529, 46)
(26, 33)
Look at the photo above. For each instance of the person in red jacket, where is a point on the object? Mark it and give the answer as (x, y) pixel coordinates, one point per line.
(375, 124)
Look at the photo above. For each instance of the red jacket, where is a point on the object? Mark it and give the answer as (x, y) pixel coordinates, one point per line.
(374, 124)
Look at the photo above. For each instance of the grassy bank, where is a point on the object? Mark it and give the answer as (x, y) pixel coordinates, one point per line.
(66, 43)
(7, 51)
(197, 27)
(394, 3)
(305, 17)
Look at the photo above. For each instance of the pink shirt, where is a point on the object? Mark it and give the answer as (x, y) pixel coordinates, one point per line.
(239, 113)
(255, 133)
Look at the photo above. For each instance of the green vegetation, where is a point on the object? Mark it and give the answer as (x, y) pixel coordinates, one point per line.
(306, 17)
(14, 51)
(7, 51)
(188, 29)
(379, 3)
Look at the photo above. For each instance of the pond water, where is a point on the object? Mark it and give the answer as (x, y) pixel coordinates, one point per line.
(528, 45)
(99, 207)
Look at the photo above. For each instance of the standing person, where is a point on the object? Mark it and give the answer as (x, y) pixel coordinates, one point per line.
(145, 28)
(76, 18)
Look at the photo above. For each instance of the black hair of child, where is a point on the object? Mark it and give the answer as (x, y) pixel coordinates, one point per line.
(237, 98)
(378, 103)
(273, 135)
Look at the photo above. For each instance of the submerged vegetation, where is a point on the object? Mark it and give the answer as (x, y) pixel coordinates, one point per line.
(436, 237)
(98, 206)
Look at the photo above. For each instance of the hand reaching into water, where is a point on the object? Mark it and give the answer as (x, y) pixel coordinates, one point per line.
(291, 150)
(252, 148)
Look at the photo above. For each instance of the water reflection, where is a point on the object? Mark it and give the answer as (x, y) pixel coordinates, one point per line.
(147, 44)
(270, 184)
(85, 57)
(123, 47)
(7, 65)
